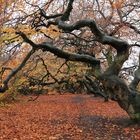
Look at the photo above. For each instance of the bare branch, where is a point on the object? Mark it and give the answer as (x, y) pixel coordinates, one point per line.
(66, 14)
(118, 44)
(15, 71)
(132, 27)
(60, 53)
(136, 79)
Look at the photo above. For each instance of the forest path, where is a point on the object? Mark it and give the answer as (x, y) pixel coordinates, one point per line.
(65, 117)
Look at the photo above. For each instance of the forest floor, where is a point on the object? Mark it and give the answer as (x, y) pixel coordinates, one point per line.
(65, 117)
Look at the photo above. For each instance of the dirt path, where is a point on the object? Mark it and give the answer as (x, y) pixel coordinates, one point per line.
(65, 117)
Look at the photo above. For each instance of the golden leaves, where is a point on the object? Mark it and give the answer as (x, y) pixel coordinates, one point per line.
(28, 30)
(118, 4)
(8, 30)
(53, 31)
(8, 33)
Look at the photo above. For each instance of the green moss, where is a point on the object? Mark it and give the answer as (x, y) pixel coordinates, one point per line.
(131, 109)
(137, 116)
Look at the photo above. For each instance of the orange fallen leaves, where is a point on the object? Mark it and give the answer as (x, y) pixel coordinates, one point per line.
(62, 117)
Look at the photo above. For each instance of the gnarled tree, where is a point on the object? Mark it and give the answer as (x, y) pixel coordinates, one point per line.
(113, 86)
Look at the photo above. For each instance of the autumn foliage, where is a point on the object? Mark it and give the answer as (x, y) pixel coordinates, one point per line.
(73, 117)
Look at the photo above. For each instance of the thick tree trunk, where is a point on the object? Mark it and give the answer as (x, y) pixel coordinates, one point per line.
(116, 89)
(128, 100)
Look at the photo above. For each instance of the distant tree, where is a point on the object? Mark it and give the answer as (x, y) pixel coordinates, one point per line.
(98, 33)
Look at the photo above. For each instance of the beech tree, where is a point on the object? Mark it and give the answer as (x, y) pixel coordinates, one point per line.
(108, 25)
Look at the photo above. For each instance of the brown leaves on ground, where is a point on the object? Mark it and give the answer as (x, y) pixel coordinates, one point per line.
(66, 117)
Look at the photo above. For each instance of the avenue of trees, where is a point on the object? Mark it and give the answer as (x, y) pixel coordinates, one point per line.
(95, 37)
